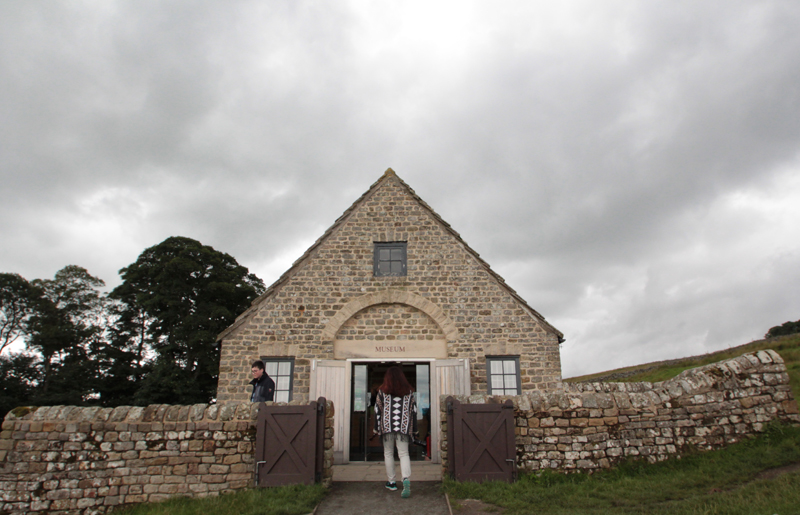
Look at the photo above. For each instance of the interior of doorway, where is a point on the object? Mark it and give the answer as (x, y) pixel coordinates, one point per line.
(366, 378)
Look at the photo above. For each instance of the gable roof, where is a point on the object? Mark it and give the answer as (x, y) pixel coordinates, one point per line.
(387, 175)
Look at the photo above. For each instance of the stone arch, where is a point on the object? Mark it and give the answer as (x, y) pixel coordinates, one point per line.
(390, 297)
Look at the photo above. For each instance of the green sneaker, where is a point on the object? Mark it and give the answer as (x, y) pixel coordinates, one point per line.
(391, 485)
(406, 489)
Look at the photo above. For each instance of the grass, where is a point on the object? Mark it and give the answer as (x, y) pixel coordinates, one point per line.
(787, 346)
(725, 481)
(285, 500)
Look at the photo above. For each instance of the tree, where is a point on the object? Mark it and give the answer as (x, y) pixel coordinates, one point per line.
(783, 329)
(189, 293)
(18, 377)
(122, 356)
(67, 323)
(17, 300)
(76, 293)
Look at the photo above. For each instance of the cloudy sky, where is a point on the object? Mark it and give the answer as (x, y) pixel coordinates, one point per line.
(632, 169)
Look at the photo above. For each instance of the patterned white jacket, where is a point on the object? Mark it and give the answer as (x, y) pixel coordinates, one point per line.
(395, 414)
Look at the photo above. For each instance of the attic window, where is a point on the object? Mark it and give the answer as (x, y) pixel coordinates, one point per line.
(389, 259)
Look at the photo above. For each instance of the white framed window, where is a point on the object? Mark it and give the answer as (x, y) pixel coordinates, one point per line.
(502, 375)
(280, 370)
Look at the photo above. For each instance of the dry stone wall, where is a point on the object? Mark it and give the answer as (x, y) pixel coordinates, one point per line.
(588, 426)
(67, 459)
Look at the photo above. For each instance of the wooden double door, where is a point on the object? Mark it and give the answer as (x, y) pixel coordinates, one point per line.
(337, 381)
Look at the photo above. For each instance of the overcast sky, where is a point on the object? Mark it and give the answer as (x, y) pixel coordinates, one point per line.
(632, 169)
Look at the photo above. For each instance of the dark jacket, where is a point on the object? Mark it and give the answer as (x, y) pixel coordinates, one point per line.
(263, 389)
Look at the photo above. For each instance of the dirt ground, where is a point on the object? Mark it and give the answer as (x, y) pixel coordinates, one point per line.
(372, 498)
(773, 473)
(473, 507)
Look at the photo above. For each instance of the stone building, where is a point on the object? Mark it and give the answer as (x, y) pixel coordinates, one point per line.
(389, 283)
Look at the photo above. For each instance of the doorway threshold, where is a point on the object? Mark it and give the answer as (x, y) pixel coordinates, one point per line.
(376, 471)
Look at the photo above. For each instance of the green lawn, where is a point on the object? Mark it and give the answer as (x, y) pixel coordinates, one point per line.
(286, 500)
(726, 481)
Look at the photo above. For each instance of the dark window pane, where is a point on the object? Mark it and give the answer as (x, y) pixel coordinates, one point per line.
(389, 259)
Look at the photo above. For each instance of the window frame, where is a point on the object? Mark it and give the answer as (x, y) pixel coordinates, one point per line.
(389, 245)
(280, 359)
(489, 360)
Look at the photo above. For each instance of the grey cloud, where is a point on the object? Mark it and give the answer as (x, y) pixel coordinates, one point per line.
(577, 147)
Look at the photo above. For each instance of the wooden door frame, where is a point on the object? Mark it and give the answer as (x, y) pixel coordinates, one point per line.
(312, 389)
(436, 419)
(349, 391)
(436, 413)
(349, 394)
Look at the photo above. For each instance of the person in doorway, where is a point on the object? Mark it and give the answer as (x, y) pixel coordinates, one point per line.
(263, 385)
(396, 422)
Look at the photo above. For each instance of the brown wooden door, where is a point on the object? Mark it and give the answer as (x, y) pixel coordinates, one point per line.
(289, 444)
(480, 441)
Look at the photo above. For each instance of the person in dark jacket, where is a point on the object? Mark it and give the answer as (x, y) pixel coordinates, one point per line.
(263, 385)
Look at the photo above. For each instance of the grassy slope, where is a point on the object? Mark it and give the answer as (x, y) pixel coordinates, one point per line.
(726, 481)
(787, 346)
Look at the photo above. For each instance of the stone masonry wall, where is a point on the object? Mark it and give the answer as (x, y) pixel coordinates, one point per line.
(588, 426)
(390, 322)
(67, 459)
(293, 315)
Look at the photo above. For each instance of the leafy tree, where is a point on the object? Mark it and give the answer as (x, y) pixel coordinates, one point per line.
(18, 377)
(783, 329)
(17, 303)
(75, 292)
(67, 323)
(122, 356)
(50, 334)
(188, 293)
